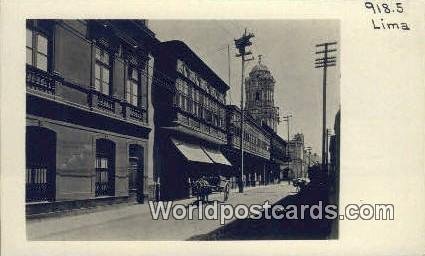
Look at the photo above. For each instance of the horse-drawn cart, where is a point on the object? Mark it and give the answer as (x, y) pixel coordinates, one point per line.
(205, 186)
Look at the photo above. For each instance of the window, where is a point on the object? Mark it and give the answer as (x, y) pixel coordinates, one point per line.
(257, 96)
(180, 66)
(105, 171)
(37, 53)
(182, 94)
(213, 92)
(40, 172)
(132, 86)
(102, 71)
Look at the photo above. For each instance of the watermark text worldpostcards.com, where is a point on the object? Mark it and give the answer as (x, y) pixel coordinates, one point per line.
(225, 212)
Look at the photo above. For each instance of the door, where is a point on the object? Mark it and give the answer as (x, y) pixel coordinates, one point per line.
(136, 177)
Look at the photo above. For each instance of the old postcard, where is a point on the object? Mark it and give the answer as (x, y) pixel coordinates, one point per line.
(141, 128)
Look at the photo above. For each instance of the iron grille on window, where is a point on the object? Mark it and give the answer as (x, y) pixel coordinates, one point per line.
(103, 179)
(105, 168)
(37, 185)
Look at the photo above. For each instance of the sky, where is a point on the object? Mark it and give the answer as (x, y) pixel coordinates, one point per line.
(288, 50)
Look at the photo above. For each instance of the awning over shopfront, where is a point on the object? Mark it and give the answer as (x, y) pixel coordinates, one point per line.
(217, 156)
(192, 152)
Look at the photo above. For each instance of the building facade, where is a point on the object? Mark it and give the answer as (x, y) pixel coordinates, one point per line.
(259, 92)
(256, 147)
(88, 113)
(296, 157)
(278, 157)
(190, 129)
(334, 149)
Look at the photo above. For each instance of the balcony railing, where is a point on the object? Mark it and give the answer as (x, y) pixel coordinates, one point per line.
(40, 80)
(134, 112)
(53, 84)
(105, 102)
(137, 113)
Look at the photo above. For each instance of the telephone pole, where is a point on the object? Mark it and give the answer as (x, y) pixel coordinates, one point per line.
(328, 135)
(287, 119)
(241, 44)
(324, 62)
(228, 62)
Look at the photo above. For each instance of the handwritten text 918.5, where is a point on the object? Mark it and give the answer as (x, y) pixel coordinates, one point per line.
(384, 7)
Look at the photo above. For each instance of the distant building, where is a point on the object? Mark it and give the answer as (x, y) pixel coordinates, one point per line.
(88, 113)
(190, 113)
(259, 92)
(296, 156)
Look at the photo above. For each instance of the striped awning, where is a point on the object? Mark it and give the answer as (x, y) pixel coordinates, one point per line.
(192, 152)
(217, 156)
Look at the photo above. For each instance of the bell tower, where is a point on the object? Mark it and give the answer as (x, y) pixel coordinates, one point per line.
(259, 91)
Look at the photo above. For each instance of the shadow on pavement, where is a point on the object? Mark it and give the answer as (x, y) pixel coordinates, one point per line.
(284, 229)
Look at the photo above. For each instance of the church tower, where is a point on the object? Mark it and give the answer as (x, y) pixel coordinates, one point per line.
(259, 91)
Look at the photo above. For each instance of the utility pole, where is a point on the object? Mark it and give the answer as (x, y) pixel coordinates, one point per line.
(287, 119)
(324, 62)
(328, 135)
(241, 43)
(228, 62)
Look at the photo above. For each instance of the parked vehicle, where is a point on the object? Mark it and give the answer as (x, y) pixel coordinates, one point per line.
(205, 186)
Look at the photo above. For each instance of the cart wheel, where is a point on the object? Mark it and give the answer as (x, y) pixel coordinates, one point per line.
(226, 192)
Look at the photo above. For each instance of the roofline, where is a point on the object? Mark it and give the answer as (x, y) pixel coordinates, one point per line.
(179, 43)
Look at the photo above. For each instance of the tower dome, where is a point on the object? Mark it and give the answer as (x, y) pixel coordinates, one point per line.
(261, 70)
(259, 92)
(259, 66)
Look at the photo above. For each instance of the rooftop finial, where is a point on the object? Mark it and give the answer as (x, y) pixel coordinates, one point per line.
(259, 59)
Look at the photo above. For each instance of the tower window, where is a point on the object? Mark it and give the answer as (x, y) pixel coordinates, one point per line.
(257, 96)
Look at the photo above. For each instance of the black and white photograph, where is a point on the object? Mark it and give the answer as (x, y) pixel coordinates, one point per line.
(134, 129)
(212, 127)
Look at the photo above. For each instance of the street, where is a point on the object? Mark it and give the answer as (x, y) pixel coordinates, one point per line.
(134, 222)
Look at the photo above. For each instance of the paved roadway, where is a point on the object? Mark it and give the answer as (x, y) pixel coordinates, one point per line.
(134, 222)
